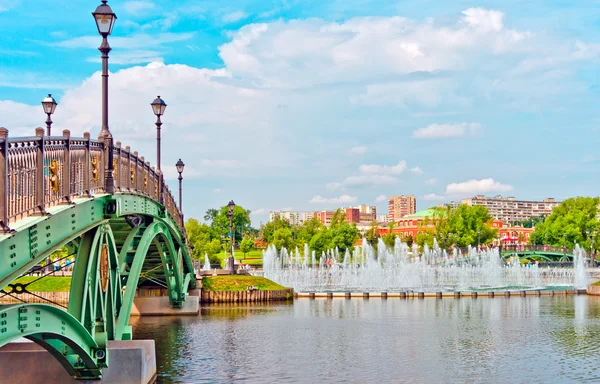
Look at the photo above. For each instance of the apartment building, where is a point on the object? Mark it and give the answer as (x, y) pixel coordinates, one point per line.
(400, 206)
(293, 218)
(511, 210)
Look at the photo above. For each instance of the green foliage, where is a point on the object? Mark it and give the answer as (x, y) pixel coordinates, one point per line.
(372, 233)
(568, 224)
(246, 245)
(268, 231)
(283, 237)
(241, 222)
(462, 226)
(425, 237)
(308, 230)
(343, 234)
(389, 238)
(320, 242)
(408, 239)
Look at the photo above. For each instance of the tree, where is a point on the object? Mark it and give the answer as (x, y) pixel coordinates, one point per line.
(246, 245)
(373, 233)
(408, 239)
(425, 237)
(320, 241)
(269, 229)
(390, 238)
(464, 225)
(308, 230)
(283, 238)
(342, 234)
(199, 237)
(210, 215)
(568, 224)
(241, 222)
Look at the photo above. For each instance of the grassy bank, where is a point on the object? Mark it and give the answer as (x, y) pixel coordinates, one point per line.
(251, 258)
(238, 283)
(46, 284)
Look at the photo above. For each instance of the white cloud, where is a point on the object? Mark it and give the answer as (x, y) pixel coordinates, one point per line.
(131, 57)
(217, 190)
(431, 181)
(384, 169)
(432, 197)
(232, 17)
(363, 180)
(484, 20)
(360, 150)
(437, 131)
(344, 199)
(380, 199)
(355, 49)
(474, 187)
(259, 211)
(417, 170)
(137, 8)
(7, 5)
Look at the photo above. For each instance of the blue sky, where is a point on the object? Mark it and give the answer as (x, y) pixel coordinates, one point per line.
(311, 105)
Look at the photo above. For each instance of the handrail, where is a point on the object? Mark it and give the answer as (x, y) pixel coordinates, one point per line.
(38, 172)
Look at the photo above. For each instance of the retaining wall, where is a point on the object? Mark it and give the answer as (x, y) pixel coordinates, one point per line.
(246, 296)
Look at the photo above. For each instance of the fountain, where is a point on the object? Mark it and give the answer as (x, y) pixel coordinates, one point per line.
(402, 268)
(206, 266)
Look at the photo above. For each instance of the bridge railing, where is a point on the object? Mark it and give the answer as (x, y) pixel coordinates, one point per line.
(39, 172)
(532, 248)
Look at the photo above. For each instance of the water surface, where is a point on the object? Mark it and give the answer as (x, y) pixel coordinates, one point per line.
(485, 340)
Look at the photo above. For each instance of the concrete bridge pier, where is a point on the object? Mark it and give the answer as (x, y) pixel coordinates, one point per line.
(131, 362)
(155, 302)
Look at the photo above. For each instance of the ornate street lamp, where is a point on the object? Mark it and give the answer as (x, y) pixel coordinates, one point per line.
(158, 107)
(105, 20)
(49, 105)
(230, 209)
(180, 167)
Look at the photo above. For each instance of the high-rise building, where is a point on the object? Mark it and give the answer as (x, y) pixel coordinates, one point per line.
(292, 217)
(383, 219)
(325, 217)
(511, 210)
(307, 216)
(400, 206)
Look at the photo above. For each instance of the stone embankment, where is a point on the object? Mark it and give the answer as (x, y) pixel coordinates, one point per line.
(249, 296)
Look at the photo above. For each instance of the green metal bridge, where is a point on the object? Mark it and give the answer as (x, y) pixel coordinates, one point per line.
(542, 252)
(53, 193)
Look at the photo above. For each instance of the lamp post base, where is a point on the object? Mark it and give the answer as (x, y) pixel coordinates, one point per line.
(232, 265)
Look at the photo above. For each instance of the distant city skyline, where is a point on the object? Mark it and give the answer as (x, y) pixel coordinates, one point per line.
(308, 106)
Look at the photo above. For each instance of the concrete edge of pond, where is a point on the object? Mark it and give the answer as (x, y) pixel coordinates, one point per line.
(422, 295)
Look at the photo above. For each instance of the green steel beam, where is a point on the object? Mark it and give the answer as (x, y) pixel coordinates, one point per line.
(97, 312)
(36, 238)
(57, 331)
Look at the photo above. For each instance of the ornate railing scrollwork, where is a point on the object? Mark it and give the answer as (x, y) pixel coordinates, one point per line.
(41, 171)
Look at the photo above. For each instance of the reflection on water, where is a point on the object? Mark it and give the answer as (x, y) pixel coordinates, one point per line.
(499, 340)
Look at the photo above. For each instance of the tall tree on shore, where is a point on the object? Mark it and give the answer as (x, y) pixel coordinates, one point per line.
(569, 223)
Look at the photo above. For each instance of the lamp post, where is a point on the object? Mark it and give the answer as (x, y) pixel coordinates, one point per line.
(478, 238)
(158, 107)
(49, 105)
(180, 167)
(564, 243)
(230, 209)
(105, 20)
(592, 249)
